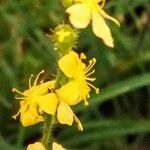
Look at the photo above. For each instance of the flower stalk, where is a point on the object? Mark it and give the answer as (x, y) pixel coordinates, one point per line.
(47, 132)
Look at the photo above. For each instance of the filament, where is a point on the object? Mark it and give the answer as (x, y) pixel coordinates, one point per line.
(96, 89)
(91, 64)
(19, 98)
(90, 73)
(15, 116)
(37, 77)
(91, 79)
(30, 80)
(15, 90)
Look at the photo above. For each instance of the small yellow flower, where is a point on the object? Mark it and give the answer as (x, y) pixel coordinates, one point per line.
(83, 11)
(36, 146)
(56, 146)
(29, 107)
(78, 87)
(40, 146)
(62, 110)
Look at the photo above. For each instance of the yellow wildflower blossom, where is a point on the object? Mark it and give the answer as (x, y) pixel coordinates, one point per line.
(78, 87)
(56, 146)
(83, 11)
(36, 146)
(29, 107)
(53, 104)
(40, 146)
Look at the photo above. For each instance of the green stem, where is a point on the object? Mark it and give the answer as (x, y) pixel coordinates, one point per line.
(47, 137)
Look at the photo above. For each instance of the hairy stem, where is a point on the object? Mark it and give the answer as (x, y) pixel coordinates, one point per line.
(47, 134)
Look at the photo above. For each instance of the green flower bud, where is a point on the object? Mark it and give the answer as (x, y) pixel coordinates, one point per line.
(64, 38)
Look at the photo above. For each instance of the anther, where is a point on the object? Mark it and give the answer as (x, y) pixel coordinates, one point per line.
(82, 56)
(97, 90)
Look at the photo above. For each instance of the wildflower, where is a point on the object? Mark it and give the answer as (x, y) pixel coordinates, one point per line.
(53, 104)
(37, 100)
(29, 107)
(40, 146)
(78, 87)
(83, 11)
(36, 146)
(56, 146)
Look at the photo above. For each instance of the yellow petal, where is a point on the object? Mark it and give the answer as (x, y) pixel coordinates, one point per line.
(78, 0)
(69, 93)
(36, 146)
(43, 87)
(69, 63)
(101, 29)
(40, 89)
(56, 146)
(48, 103)
(27, 118)
(80, 127)
(64, 114)
(108, 17)
(79, 15)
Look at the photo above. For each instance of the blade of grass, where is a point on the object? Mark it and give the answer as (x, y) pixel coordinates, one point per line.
(106, 129)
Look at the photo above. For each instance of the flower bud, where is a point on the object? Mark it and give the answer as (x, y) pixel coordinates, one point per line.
(64, 38)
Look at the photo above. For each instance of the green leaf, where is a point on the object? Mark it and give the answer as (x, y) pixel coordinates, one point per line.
(4, 145)
(105, 129)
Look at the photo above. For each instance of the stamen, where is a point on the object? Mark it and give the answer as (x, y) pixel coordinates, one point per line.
(15, 90)
(30, 80)
(90, 73)
(42, 81)
(78, 122)
(20, 98)
(86, 102)
(96, 89)
(15, 116)
(82, 56)
(37, 77)
(91, 79)
(91, 64)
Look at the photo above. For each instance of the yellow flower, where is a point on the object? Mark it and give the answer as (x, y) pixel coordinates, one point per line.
(56, 146)
(78, 87)
(39, 146)
(54, 105)
(36, 146)
(29, 107)
(37, 100)
(83, 11)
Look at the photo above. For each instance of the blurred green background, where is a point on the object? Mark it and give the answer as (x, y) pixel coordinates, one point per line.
(117, 118)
